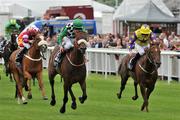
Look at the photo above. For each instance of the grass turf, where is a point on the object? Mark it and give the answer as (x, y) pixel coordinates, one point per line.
(102, 102)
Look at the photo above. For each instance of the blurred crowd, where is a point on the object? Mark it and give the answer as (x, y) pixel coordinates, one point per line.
(167, 42)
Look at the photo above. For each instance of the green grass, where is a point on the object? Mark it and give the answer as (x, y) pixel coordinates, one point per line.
(102, 103)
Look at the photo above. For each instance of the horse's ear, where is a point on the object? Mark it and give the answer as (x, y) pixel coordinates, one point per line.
(146, 50)
(154, 43)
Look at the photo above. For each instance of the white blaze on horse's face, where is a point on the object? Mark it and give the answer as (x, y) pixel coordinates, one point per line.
(42, 42)
(82, 41)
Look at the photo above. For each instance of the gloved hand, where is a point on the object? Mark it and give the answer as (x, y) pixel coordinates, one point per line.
(61, 49)
(131, 46)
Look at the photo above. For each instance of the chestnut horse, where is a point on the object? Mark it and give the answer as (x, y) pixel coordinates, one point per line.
(31, 67)
(145, 73)
(72, 70)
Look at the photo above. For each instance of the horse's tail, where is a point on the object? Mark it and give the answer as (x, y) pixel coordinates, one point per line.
(61, 78)
(123, 65)
(119, 68)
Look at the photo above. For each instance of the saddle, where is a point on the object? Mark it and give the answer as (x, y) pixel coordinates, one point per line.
(59, 58)
(132, 61)
(19, 57)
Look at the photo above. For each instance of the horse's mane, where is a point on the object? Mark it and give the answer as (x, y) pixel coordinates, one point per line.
(81, 35)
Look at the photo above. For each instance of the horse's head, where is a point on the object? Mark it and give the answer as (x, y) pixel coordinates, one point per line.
(153, 54)
(40, 44)
(81, 41)
(14, 44)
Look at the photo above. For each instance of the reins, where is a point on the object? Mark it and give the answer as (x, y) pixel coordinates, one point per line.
(73, 64)
(143, 69)
(32, 59)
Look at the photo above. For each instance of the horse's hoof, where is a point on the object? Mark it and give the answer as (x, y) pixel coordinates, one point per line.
(45, 98)
(53, 102)
(118, 95)
(29, 96)
(26, 88)
(81, 100)
(25, 102)
(142, 108)
(135, 97)
(73, 105)
(62, 110)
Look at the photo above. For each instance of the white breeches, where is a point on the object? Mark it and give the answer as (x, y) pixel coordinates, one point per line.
(140, 49)
(26, 45)
(67, 43)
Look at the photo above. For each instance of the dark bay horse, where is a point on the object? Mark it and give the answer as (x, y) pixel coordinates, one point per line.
(145, 73)
(10, 47)
(31, 67)
(72, 70)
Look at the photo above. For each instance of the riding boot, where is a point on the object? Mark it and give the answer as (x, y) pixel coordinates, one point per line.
(20, 56)
(58, 59)
(133, 61)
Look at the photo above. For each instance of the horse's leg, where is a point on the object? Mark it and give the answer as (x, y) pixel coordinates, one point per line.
(28, 78)
(41, 85)
(16, 92)
(123, 84)
(29, 88)
(84, 95)
(65, 99)
(51, 81)
(19, 88)
(144, 95)
(149, 91)
(136, 93)
(73, 105)
(10, 77)
(6, 68)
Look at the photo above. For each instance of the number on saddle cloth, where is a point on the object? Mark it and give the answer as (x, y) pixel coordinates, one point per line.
(58, 58)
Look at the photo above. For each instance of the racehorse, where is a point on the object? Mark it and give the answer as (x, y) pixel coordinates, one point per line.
(72, 70)
(145, 73)
(31, 67)
(8, 49)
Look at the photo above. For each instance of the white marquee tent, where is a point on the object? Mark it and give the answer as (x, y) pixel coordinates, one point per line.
(144, 11)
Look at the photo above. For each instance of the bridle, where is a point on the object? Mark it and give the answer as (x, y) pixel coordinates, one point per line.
(28, 55)
(76, 46)
(151, 61)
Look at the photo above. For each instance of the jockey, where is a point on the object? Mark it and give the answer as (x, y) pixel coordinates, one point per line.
(24, 41)
(11, 27)
(66, 38)
(140, 40)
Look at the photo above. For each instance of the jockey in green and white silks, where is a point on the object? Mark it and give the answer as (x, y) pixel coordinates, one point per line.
(66, 38)
(10, 28)
(140, 40)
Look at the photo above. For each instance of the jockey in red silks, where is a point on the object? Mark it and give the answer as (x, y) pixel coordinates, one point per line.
(24, 41)
(140, 40)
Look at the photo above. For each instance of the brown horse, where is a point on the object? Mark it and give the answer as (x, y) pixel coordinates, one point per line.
(31, 67)
(72, 70)
(145, 73)
(9, 48)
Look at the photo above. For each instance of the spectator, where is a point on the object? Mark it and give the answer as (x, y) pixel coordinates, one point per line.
(165, 44)
(98, 43)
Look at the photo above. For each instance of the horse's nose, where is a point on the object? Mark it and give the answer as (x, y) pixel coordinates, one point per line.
(83, 49)
(158, 64)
